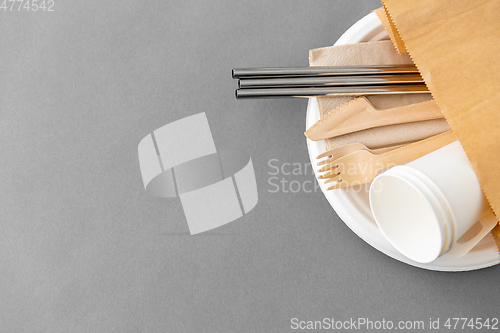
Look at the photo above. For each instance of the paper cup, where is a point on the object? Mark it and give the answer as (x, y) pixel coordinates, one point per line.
(431, 206)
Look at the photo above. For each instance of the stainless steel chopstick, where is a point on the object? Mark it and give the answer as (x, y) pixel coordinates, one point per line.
(332, 91)
(321, 81)
(322, 71)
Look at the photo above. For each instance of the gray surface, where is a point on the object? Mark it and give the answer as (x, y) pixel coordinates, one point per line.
(84, 249)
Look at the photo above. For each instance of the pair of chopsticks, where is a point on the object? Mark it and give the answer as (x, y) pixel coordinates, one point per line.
(328, 81)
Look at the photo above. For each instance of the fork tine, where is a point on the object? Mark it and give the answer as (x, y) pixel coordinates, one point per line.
(328, 175)
(329, 166)
(337, 177)
(325, 154)
(328, 160)
(340, 184)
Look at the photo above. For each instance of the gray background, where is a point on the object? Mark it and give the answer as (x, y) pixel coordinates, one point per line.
(84, 249)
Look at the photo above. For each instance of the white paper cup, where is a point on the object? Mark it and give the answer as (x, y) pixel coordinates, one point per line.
(431, 206)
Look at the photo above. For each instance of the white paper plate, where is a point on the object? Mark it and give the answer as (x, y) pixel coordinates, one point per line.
(352, 204)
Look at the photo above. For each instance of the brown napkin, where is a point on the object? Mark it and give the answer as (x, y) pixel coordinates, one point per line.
(455, 45)
(373, 53)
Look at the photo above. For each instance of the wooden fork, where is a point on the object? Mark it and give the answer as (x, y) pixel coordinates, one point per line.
(338, 152)
(362, 166)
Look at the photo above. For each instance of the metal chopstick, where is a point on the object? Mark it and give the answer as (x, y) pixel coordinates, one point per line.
(322, 71)
(319, 81)
(332, 91)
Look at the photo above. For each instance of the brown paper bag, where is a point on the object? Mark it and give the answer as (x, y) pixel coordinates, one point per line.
(391, 30)
(455, 45)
